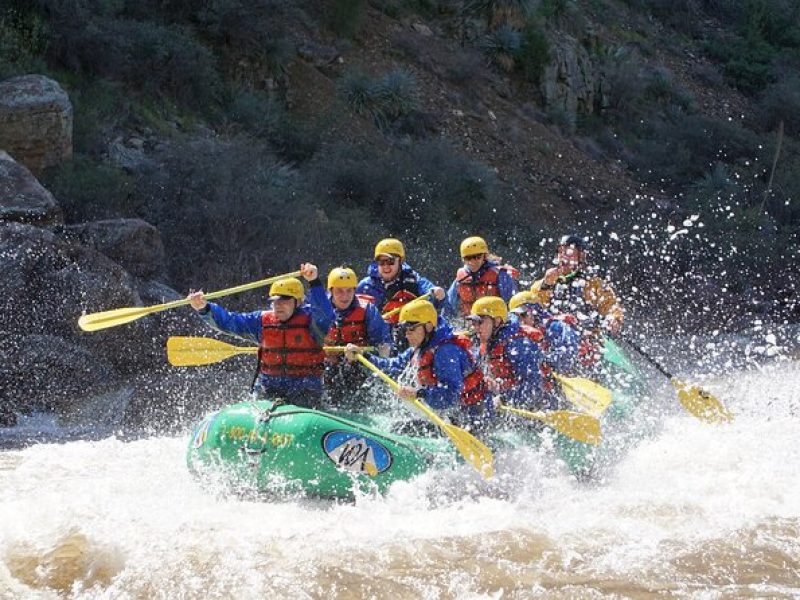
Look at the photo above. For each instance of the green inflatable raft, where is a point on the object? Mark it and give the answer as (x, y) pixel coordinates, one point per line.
(280, 449)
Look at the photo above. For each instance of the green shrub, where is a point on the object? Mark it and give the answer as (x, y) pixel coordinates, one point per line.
(88, 190)
(781, 102)
(155, 59)
(553, 9)
(254, 110)
(345, 17)
(534, 52)
(23, 41)
(502, 46)
(385, 99)
(397, 94)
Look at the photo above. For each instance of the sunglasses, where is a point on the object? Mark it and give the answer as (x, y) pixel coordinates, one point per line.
(386, 262)
(472, 257)
(407, 327)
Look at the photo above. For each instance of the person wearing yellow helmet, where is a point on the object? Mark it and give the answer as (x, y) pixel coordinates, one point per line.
(290, 365)
(358, 322)
(574, 287)
(557, 336)
(448, 378)
(509, 353)
(480, 276)
(391, 282)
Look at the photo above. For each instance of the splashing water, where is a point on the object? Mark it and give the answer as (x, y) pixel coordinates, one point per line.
(695, 512)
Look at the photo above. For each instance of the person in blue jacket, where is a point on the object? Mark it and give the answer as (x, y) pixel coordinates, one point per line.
(358, 322)
(290, 336)
(559, 340)
(480, 276)
(391, 282)
(447, 376)
(511, 357)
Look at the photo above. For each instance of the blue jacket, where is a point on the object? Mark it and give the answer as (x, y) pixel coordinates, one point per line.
(450, 365)
(378, 331)
(407, 279)
(249, 326)
(505, 283)
(525, 357)
(563, 342)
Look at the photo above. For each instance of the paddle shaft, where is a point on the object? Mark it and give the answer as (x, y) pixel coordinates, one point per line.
(121, 316)
(649, 358)
(388, 380)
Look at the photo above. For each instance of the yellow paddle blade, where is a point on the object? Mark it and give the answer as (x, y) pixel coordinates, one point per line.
(196, 351)
(120, 316)
(473, 450)
(701, 404)
(578, 426)
(586, 394)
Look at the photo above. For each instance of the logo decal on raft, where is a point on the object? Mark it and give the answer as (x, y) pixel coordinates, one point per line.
(201, 435)
(356, 453)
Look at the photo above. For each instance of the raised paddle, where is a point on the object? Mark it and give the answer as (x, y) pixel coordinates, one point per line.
(585, 393)
(120, 316)
(695, 400)
(578, 426)
(197, 351)
(394, 311)
(473, 450)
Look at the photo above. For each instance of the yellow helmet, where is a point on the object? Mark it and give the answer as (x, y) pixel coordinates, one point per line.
(287, 287)
(474, 245)
(419, 311)
(390, 246)
(520, 299)
(342, 277)
(490, 306)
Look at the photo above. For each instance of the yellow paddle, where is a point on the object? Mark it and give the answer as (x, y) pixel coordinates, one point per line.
(120, 316)
(196, 351)
(578, 426)
(394, 311)
(696, 400)
(473, 450)
(585, 393)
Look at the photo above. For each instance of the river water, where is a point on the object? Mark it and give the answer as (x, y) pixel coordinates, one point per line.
(692, 511)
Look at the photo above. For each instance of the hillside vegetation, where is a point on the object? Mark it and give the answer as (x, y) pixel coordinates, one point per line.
(256, 133)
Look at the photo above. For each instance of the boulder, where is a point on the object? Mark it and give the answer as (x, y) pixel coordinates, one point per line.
(132, 243)
(35, 121)
(23, 198)
(46, 282)
(47, 372)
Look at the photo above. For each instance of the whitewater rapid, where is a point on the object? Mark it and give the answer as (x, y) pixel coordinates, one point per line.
(695, 511)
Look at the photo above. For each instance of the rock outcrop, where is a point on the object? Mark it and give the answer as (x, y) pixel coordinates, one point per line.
(23, 198)
(132, 243)
(572, 82)
(35, 121)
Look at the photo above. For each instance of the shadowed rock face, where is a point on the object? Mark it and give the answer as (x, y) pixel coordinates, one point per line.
(35, 121)
(133, 243)
(23, 198)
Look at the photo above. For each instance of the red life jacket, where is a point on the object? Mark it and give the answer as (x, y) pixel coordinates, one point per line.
(352, 329)
(288, 348)
(399, 299)
(474, 389)
(500, 368)
(470, 289)
(589, 350)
